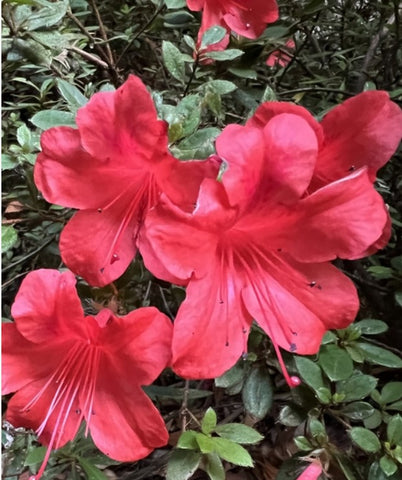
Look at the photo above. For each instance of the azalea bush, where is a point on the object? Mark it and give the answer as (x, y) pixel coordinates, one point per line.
(201, 237)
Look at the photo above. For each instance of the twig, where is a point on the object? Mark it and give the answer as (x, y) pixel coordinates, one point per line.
(184, 410)
(317, 89)
(29, 255)
(103, 33)
(147, 24)
(89, 56)
(190, 80)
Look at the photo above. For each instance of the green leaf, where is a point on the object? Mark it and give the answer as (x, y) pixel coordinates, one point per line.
(324, 395)
(394, 430)
(346, 467)
(71, 95)
(35, 456)
(239, 433)
(381, 273)
(92, 472)
(53, 118)
(244, 72)
(395, 406)
(214, 467)
(357, 410)
(232, 452)
(291, 416)
(24, 136)
(208, 423)
(356, 387)
(369, 326)
(365, 439)
(229, 54)
(257, 393)
(220, 86)
(398, 297)
(156, 391)
(182, 464)
(8, 162)
(335, 362)
(9, 237)
(317, 430)
(171, 4)
(205, 443)
(391, 392)
(303, 443)
(47, 16)
(310, 372)
(188, 440)
(380, 356)
(233, 375)
(212, 36)
(198, 145)
(374, 420)
(173, 60)
(388, 466)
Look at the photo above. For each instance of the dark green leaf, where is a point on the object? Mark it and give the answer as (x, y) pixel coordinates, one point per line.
(365, 439)
(391, 392)
(173, 60)
(303, 443)
(356, 387)
(257, 393)
(394, 430)
(380, 356)
(374, 420)
(71, 95)
(155, 391)
(369, 326)
(229, 54)
(291, 416)
(388, 466)
(220, 86)
(35, 456)
(310, 372)
(233, 375)
(335, 362)
(182, 464)
(357, 410)
(47, 16)
(92, 472)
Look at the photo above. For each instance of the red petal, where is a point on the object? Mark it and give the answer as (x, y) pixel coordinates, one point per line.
(124, 425)
(374, 130)
(165, 253)
(32, 418)
(196, 5)
(122, 125)
(68, 176)
(250, 20)
(23, 361)
(211, 327)
(312, 472)
(47, 307)
(99, 245)
(291, 154)
(243, 150)
(138, 344)
(342, 220)
(269, 110)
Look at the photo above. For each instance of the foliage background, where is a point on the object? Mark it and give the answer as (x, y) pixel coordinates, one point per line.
(56, 54)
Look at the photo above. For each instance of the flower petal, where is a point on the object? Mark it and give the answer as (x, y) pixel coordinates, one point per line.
(65, 413)
(374, 130)
(290, 157)
(250, 20)
(122, 125)
(124, 424)
(99, 245)
(68, 176)
(211, 327)
(23, 361)
(342, 220)
(47, 307)
(242, 149)
(138, 343)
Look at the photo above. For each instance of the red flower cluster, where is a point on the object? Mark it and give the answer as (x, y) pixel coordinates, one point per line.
(294, 195)
(245, 17)
(251, 232)
(67, 368)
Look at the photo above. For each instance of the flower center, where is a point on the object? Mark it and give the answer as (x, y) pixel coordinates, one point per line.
(73, 383)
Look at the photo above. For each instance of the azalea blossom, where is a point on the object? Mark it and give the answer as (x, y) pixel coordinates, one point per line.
(312, 472)
(280, 57)
(112, 169)
(245, 17)
(67, 368)
(293, 195)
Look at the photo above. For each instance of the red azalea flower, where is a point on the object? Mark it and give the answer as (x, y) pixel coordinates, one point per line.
(67, 368)
(280, 57)
(112, 168)
(245, 17)
(258, 244)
